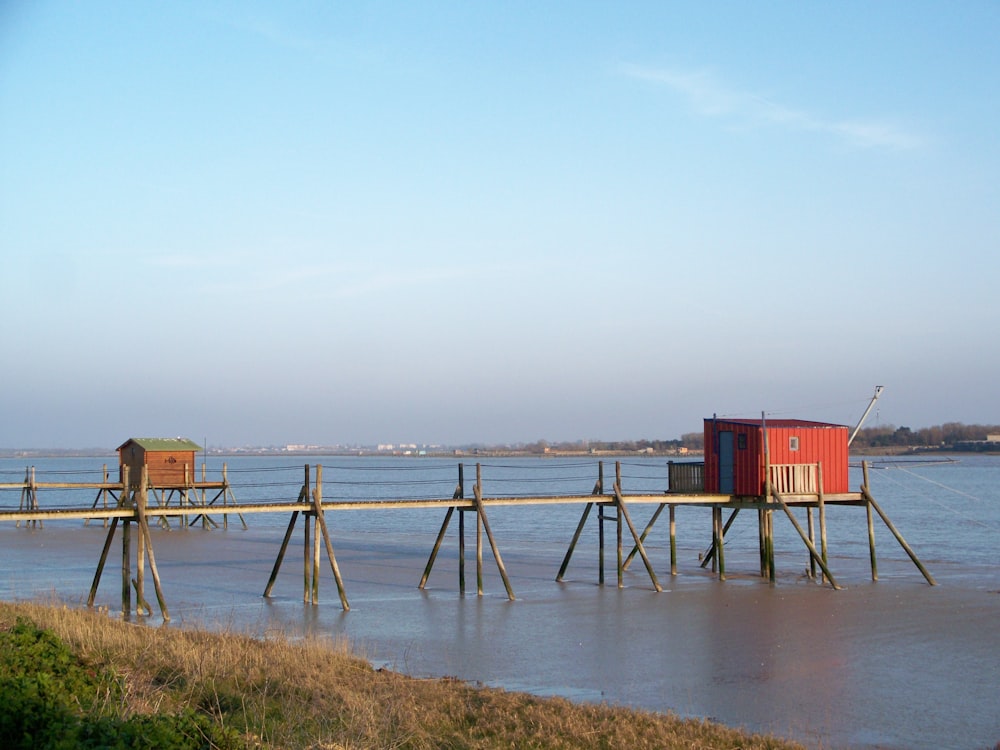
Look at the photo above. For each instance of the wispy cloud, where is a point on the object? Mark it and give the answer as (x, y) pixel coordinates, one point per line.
(379, 282)
(711, 97)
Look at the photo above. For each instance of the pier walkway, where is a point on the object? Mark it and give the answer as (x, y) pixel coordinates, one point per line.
(135, 506)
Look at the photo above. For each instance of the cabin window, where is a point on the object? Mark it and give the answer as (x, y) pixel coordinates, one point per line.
(741, 442)
(793, 443)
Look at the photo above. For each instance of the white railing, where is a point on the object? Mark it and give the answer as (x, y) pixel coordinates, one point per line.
(794, 479)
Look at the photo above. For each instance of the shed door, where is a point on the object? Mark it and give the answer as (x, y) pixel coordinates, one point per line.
(727, 463)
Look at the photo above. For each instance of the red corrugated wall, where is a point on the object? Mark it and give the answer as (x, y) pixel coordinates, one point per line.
(818, 442)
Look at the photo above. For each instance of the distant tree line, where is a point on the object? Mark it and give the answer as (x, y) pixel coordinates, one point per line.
(601, 446)
(946, 435)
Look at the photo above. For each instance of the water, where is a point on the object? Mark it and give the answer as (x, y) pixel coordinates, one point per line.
(888, 664)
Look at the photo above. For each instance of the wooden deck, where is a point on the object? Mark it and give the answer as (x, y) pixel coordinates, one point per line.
(135, 507)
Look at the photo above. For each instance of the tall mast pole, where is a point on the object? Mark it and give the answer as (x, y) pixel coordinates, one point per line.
(878, 392)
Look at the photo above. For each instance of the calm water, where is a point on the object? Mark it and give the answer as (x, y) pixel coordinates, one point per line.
(891, 664)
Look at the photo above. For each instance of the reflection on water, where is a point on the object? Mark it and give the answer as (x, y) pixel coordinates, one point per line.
(895, 664)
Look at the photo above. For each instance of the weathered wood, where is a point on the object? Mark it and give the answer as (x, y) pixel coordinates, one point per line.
(821, 504)
(127, 513)
(899, 537)
(600, 543)
(709, 554)
(100, 563)
(769, 541)
(161, 600)
(673, 541)
(620, 502)
(768, 520)
(321, 519)
(871, 525)
(480, 510)
(296, 509)
(461, 552)
(618, 526)
(809, 545)
(645, 533)
(306, 541)
(576, 538)
(762, 542)
(719, 547)
(126, 568)
(436, 548)
(811, 529)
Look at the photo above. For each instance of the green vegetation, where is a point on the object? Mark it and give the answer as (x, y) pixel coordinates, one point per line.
(78, 679)
(52, 699)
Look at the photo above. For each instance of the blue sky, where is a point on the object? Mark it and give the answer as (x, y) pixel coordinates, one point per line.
(449, 222)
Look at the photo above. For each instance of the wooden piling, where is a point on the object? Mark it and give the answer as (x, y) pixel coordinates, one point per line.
(645, 533)
(871, 524)
(709, 554)
(576, 538)
(673, 541)
(821, 503)
(436, 548)
(461, 551)
(481, 513)
(899, 537)
(126, 567)
(620, 502)
(718, 542)
(303, 497)
(306, 544)
(618, 525)
(143, 523)
(479, 533)
(809, 545)
(324, 530)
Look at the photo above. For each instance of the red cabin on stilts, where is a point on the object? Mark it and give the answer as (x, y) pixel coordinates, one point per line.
(735, 456)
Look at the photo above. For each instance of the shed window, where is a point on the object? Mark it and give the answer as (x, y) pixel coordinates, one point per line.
(741, 442)
(793, 443)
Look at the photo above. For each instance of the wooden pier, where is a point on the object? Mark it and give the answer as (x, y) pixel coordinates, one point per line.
(786, 487)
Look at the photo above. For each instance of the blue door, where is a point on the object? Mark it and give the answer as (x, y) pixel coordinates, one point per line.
(727, 463)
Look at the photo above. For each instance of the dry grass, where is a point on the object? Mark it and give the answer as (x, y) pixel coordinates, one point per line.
(316, 694)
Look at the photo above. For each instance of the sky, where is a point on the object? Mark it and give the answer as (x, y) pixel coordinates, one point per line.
(447, 222)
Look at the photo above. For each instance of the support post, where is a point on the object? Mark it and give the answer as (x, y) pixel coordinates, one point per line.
(871, 525)
(618, 525)
(126, 565)
(481, 512)
(805, 539)
(303, 494)
(811, 528)
(457, 495)
(620, 502)
(718, 547)
(144, 528)
(576, 538)
(673, 541)
(479, 534)
(645, 533)
(107, 542)
(461, 551)
(306, 546)
(321, 521)
(709, 555)
(822, 514)
(899, 537)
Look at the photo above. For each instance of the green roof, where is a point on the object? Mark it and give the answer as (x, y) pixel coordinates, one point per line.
(163, 444)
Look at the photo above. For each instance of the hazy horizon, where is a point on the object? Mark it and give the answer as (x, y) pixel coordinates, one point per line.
(495, 223)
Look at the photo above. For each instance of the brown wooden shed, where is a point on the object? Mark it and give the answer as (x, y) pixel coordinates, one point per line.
(170, 461)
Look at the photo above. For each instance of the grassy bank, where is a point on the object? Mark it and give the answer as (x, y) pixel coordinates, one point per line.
(92, 681)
